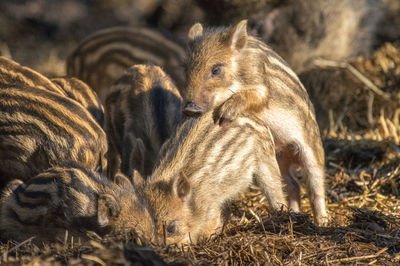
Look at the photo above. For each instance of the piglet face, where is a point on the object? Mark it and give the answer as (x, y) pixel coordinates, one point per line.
(169, 204)
(211, 67)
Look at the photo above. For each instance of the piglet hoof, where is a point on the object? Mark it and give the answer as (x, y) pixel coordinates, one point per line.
(226, 113)
(221, 122)
(322, 221)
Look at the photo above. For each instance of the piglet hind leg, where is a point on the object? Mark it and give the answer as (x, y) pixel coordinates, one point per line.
(286, 158)
(311, 158)
(268, 179)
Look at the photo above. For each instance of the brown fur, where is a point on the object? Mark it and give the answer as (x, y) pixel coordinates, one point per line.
(79, 91)
(40, 129)
(143, 110)
(233, 73)
(202, 167)
(13, 73)
(75, 199)
(103, 56)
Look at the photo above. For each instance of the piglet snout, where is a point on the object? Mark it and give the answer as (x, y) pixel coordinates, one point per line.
(192, 109)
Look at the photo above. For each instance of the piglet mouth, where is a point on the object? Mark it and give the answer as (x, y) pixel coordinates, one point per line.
(192, 109)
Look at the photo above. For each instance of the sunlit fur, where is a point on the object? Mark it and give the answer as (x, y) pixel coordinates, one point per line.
(40, 129)
(143, 109)
(205, 165)
(75, 199)
(256, 80)
(12, 73)
(79, 91)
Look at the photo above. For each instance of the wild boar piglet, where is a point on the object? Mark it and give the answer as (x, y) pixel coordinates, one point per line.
(232, 73)
(72, 198)
(102, 57)
(40, 129)
(143, 108)
(202, 167)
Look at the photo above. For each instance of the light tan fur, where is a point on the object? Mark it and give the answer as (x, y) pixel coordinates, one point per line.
(233, 73)
(202, 167)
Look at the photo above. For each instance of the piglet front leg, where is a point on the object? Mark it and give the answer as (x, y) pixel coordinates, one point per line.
(246, 101)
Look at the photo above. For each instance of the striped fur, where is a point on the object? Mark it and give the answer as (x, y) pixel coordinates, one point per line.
(143, 109)
(233, 73)
(75, 199)
(13, 73)
(205, 165)
(40, 129)
(102, 57)
(79, 91)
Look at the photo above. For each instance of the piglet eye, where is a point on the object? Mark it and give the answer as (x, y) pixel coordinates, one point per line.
(216, 70)
(171, 229)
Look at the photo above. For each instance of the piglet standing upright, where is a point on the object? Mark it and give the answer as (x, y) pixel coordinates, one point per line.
(234, 73)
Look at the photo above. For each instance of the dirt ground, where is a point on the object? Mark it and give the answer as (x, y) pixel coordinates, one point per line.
(358, 109)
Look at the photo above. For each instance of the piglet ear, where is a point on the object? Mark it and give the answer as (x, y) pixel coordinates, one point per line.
(137, 156)
(121, 180)
(10, 187)
(182, 187)
(137, 179)
(238, 36)
(107, 208)
(195, 31)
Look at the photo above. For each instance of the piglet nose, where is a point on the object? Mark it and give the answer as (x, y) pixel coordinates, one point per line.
(192, 109)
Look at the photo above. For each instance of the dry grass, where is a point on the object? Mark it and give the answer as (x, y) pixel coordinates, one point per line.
(363, 180)
(358, 96)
